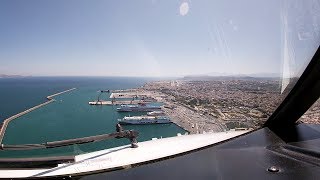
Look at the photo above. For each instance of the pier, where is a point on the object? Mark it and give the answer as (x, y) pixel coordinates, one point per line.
(8, 120)
(132, 94)
(123, 95)
(51, 96)
(135, 96)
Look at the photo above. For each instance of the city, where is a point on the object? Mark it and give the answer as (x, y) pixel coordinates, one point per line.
(217, 103)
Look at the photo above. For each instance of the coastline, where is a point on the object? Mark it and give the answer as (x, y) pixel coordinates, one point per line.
(5, 123)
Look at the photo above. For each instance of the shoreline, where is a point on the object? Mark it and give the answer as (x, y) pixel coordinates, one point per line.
(5, 122)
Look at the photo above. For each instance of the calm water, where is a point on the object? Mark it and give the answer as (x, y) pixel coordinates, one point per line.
(68, 117)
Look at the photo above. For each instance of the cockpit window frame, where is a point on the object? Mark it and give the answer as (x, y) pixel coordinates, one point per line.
(303, 95)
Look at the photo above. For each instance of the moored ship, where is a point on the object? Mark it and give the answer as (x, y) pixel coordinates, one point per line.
(137, 108)
(144, 120)
(156, 113)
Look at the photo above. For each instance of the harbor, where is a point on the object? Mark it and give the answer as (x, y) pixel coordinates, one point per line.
(178, 114)
(139, 103)
(152, 113)
(70, 116)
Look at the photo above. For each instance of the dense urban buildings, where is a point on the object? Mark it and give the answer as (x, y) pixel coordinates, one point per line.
(221, 103)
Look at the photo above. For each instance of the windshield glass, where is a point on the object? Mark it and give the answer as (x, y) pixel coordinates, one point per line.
(312, 116)
(72, 69)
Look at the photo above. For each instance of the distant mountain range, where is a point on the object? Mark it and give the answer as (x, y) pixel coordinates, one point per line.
(11, 76)
(241, 75)
(215, 75)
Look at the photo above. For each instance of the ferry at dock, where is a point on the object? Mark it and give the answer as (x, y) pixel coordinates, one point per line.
(144, 120)
(137, 108)
(156, 113)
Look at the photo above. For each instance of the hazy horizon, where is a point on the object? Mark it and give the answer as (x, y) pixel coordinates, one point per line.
(156, 77)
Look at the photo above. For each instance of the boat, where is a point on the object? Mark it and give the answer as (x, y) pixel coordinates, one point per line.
(141, 107)
(156, 113)
(144, 120)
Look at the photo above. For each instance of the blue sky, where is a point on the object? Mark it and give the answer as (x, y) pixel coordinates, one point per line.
(146, 38)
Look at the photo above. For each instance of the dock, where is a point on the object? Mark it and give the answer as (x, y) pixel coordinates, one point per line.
(123, 95)
(8, 120)
(118, 97)
(126, 95)
(124, 90)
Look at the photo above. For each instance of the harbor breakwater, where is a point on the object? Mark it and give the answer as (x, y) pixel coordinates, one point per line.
(5, 123)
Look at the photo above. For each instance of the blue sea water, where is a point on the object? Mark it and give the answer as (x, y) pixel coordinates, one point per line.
(69, 116)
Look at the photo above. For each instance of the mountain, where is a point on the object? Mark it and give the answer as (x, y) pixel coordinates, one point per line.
(230, 76)
(11, 76)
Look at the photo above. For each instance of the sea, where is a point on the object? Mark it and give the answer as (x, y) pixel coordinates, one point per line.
(70, 116)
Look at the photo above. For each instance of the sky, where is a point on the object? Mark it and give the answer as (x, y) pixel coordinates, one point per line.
(156, 38)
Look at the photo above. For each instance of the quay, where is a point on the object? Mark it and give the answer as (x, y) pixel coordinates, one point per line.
(124, 90)
(135, 96)
(123, 95)
(8, 120)
(126, 95)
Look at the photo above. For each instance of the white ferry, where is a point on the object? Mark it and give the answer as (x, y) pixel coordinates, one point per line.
(156, 113)
(137, 107)
(144, 120)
